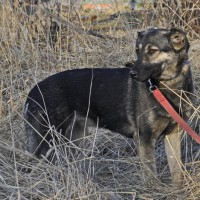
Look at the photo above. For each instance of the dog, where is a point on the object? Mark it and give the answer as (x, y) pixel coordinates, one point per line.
(119, 99)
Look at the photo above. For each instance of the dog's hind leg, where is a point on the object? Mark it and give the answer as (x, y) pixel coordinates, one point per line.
(36, 135)
(173, 151)
(76, 132)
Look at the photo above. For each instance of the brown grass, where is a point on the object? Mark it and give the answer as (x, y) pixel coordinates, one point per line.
(109, 168)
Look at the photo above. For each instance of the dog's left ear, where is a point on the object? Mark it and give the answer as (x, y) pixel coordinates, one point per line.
(129, 64)
(178, 39)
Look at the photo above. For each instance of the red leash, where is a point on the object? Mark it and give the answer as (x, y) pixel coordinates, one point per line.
(167, 106)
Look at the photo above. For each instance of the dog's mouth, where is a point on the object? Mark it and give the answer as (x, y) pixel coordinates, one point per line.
(163, 67)
(155, 71)
(159, 72)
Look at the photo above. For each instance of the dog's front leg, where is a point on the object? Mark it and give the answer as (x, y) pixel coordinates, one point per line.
(173, 151)
(146, 153)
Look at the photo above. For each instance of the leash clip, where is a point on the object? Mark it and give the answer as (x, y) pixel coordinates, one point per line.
(152, 87)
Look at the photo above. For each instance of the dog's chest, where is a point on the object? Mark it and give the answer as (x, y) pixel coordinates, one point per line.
(158, 122)
(154, 121)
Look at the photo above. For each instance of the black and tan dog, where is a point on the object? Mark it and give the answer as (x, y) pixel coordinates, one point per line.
(119, 99)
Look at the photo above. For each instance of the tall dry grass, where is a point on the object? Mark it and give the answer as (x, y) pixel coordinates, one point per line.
(110, 168)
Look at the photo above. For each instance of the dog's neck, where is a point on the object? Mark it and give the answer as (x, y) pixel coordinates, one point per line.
(175, 82)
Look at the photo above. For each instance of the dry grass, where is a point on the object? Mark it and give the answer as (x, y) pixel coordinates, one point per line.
(109, 168)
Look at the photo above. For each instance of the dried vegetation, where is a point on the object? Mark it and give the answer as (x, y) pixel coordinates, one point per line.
(53, 39)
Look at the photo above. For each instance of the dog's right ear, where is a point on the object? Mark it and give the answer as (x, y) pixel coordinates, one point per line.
(129, 64)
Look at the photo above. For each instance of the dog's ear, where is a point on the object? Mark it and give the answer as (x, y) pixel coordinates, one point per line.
(138, 40)
(178, 39)
(141, 34)
(129, 64)
(149, 29)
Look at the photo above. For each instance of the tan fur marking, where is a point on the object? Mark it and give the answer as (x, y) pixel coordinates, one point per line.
(185, 69)
(140, 46)
(159, 57)
(173, 151)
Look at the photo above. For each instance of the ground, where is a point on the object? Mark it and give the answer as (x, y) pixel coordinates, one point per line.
(110, 168)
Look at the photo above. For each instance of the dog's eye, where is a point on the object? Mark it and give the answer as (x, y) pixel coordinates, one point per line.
(152, 51)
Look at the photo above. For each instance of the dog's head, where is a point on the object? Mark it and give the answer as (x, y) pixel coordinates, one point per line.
(160, 52)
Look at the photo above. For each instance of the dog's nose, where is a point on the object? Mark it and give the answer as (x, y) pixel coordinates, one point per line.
(133, 73)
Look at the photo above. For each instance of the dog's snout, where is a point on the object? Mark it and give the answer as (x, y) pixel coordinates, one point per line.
(133, 73)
